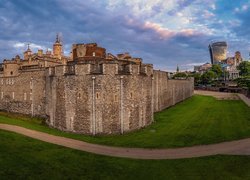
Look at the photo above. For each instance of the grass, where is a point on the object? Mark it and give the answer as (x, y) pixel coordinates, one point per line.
(198, 120)
(25, 158)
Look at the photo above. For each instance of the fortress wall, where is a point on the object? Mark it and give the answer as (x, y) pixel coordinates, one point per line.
(99, 103)
(137, 99)
(168, 92)
(78, 99)
(24, 93)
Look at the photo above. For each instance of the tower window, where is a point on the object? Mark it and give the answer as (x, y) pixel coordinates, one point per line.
(116, 98)
(24, 96)
(93, 53)
(11, 72)
(79, 95)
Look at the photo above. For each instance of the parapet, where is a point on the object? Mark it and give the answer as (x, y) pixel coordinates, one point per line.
(114, 68)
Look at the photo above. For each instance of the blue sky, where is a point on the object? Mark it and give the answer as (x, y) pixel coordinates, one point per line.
(162, 32)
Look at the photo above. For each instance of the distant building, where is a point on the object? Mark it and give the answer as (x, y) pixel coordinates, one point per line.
(218, 52)
(203, 68)
(230, 65)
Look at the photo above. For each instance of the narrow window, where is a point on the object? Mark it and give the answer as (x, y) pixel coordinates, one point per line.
(13, 95)
(31, 96)
(24, 96)
(1, 95)
(97, 95)
(131, 95)
(79, 95)
(116, 98)
(93, 53)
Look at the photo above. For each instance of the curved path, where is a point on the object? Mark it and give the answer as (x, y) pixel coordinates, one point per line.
(240, 147)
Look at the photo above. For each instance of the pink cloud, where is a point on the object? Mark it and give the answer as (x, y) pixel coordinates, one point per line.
(165, 33)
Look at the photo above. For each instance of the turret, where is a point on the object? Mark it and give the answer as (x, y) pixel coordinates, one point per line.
(27, 53)
(57, 48)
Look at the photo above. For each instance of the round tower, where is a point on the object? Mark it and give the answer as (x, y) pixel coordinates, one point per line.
(57, 48)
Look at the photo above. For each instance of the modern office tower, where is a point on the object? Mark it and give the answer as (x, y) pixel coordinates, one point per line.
(218, 52)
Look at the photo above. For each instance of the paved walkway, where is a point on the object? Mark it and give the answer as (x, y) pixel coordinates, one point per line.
(222, 95)
(240, 147)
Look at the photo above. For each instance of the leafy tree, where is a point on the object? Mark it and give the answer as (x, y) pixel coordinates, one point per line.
(216, 68)
(197, 77)
(244, 68)
(180, 75)
(208, 77)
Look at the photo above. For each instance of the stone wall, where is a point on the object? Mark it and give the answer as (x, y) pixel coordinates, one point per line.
(169, 92)
(76, 98)
(109, 102)
(23, 93)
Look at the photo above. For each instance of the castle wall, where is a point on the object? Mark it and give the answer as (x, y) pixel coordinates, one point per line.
(168, 92)
(99, 103)
(23, 93)
(78, 98)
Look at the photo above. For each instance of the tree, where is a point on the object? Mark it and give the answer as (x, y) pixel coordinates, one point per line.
(197, 77)
(216, 68)
(244, 68)
(208, 76)
(180, 75)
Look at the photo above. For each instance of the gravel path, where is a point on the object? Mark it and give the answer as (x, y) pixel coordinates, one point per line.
(240, 147)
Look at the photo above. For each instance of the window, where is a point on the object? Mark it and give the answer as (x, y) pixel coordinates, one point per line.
(13, 95)
(116, 98)
(31, 96)
(11, 73)
(25, 96)
(93, 53)
(1, 95)
(97, 95)
(131, 95)
(79, 96)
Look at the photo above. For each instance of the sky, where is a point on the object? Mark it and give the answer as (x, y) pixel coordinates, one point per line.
(165, 33)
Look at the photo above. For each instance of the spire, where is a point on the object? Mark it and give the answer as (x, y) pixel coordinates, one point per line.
(28, 47)
(57, 38)
(57, 47)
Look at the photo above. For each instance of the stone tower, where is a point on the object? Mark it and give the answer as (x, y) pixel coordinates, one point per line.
(57, 48)
(237, 58)
(27, 53)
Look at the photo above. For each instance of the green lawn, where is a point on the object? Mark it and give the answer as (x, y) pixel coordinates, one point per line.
(25, 158)
(198, 120)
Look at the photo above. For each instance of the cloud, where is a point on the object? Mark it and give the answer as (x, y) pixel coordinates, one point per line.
(165, 33)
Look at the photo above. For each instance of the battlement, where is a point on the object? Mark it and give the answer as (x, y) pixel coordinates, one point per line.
(100, 69)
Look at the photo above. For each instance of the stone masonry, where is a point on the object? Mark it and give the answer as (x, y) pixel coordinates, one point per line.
(94, 94)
